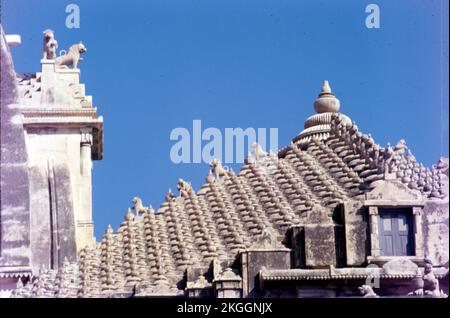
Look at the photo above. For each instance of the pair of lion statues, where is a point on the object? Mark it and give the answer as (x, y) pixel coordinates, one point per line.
(69, 58)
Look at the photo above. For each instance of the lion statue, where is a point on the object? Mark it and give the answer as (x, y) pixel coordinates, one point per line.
(367, 291)
(50, 45)
(72, 57)
(218, 169)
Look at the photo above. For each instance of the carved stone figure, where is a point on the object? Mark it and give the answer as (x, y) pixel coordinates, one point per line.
(367, 291)
(183, 185)
(50, 45)
(428, 284)
(217, 168)
(431, 284)
(389, 159)
(401, 147)
(72, 57)
(257, 151)
(139, 208)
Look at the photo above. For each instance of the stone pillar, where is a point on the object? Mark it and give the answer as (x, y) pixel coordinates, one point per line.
(85, 226)
(374, 238)
(418, 236)
(85, 154)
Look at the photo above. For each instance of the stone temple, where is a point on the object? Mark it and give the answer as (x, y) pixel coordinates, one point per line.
(333, 214)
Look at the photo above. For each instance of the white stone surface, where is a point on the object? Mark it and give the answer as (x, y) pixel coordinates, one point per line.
(59, 121)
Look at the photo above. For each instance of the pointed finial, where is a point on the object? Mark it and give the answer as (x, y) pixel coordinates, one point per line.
(326, 87)
(109, 230)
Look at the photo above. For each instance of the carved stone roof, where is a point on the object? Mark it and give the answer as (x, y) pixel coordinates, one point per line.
(300, 185)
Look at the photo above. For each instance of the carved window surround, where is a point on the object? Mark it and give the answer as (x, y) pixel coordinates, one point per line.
(417, 210)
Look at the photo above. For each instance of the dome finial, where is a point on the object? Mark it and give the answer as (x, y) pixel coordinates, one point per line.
(320, 124)
(326, 102)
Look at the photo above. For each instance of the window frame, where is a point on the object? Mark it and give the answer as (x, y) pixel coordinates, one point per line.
(394, 230)
(416, 227)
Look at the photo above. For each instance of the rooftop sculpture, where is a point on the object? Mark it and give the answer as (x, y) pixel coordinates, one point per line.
(50, 45)
(72, 57)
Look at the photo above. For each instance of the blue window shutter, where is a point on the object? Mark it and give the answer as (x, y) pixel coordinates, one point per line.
(395, 232)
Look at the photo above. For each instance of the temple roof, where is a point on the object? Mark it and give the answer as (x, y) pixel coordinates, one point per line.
(272, 192)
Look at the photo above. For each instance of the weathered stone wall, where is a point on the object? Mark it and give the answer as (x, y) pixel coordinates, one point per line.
(252, 261)
(53, 185)
(61, 126)
(47, 125)
(357, 238)
(435, 231)
(41, 237)
(14, 196)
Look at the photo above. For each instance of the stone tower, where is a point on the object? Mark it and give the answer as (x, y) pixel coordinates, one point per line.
(63, 135)
(57, 135)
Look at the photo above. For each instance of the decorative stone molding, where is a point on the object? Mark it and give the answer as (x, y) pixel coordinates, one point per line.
(86, 136)
(349, 273)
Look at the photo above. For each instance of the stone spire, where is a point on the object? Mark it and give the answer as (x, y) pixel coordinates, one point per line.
(318, 125)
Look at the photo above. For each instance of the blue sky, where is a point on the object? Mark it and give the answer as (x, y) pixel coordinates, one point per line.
(152, 66)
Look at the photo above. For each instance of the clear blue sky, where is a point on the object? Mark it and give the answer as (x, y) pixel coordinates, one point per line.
(152, 66)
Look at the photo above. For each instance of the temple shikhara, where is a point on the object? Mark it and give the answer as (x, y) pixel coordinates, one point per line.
(332, 214)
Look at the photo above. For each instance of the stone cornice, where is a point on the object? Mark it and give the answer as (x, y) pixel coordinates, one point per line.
(59, 112)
